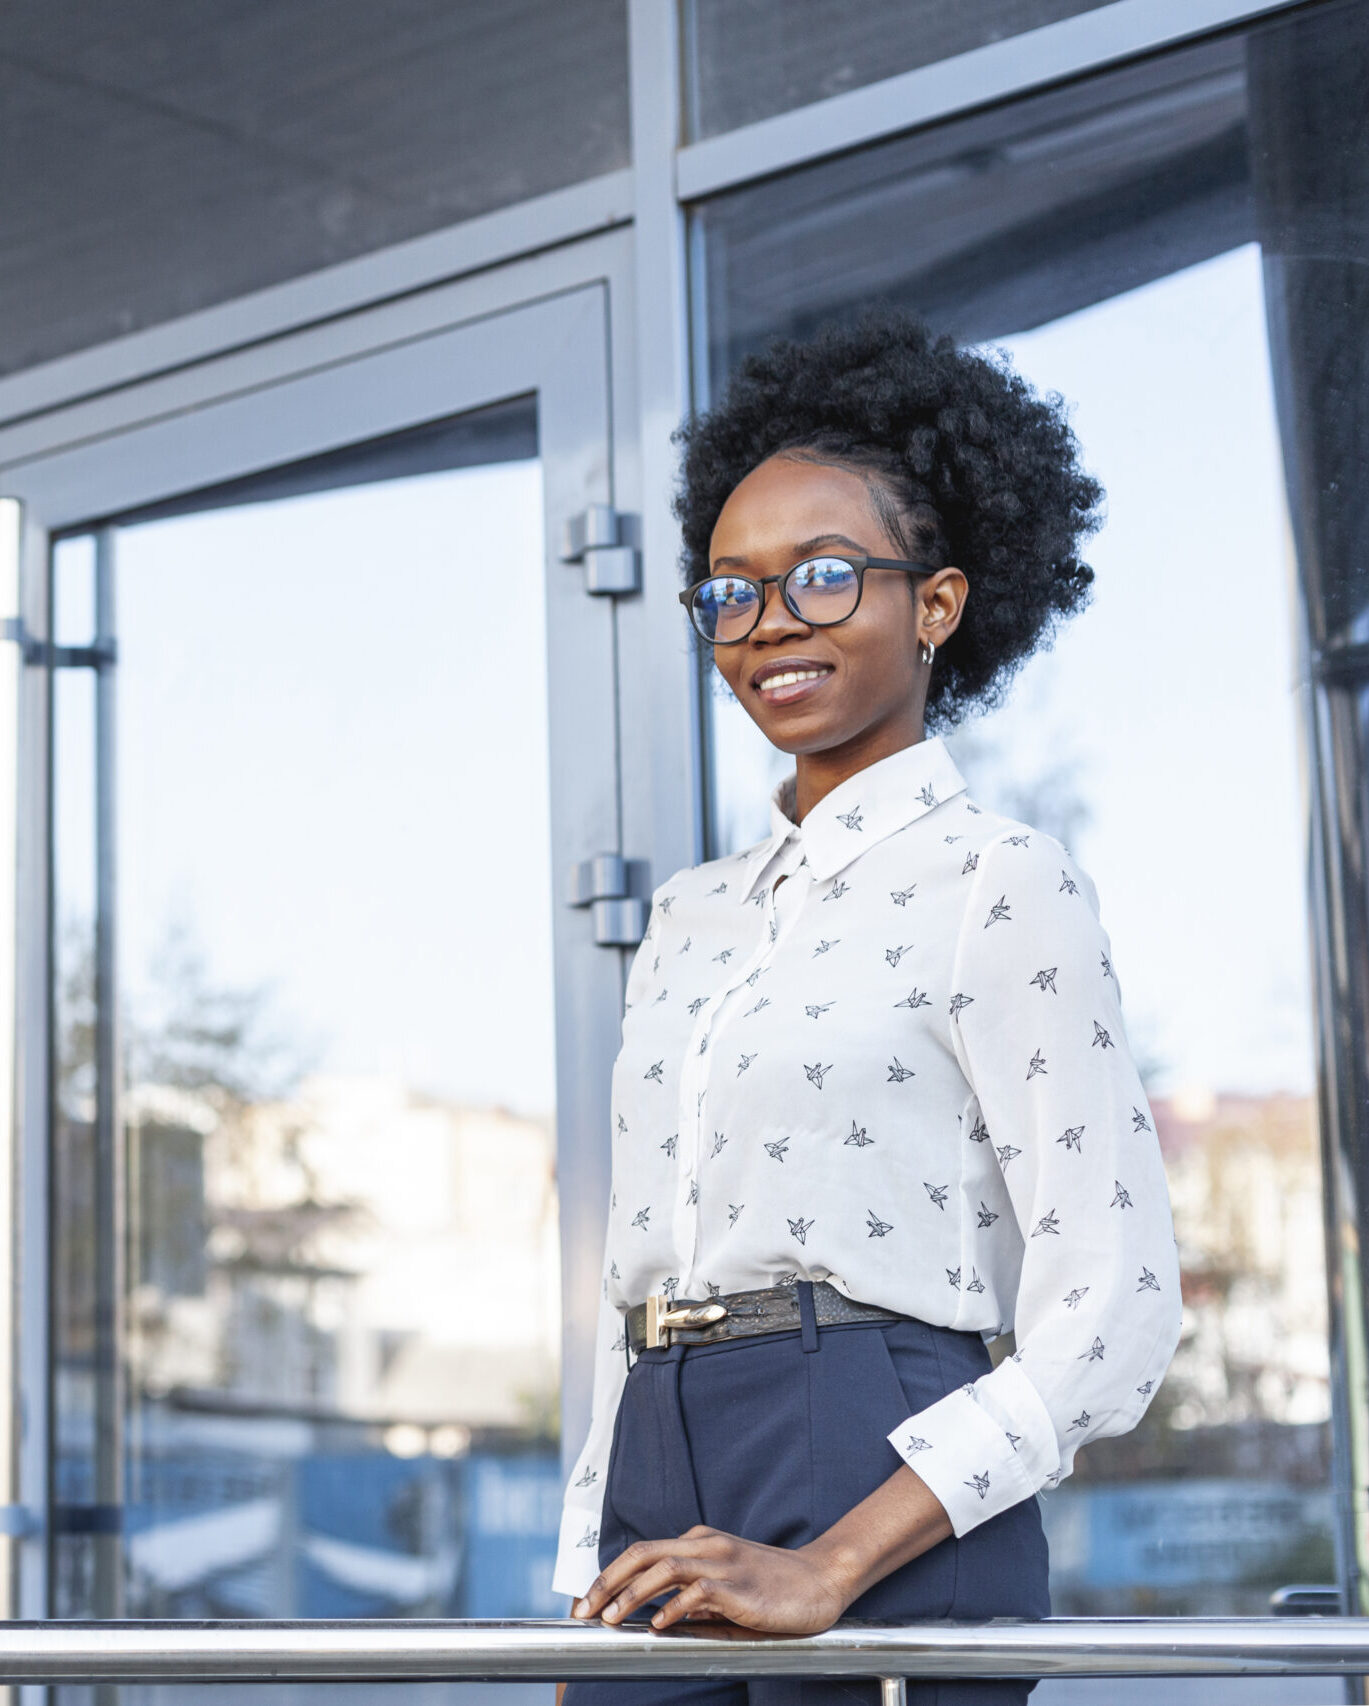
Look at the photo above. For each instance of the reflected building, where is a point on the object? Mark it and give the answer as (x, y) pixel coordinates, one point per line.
(349, 1235)
(1246, 1187)
(1224, 1490)
(323, 1410)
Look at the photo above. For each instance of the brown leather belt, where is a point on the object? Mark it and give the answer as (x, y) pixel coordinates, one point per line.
(661, 1322)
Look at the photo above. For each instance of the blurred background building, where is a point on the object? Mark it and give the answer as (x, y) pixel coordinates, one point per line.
(349, 719)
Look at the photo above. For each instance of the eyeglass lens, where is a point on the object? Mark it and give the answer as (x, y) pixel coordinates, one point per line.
(823, 590)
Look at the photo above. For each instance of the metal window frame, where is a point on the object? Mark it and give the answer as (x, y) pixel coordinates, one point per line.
(662, 752)
(1087, 42)
(522, 229)
(547, 328)
(13, 686)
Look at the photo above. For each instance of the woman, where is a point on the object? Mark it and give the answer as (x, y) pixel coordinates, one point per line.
(875, 1105)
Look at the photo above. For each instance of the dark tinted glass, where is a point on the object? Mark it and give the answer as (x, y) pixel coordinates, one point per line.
(160, 159)
(1004, 221)
(749, 59)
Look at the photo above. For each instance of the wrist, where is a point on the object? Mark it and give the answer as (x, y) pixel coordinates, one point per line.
(897, 1522)
(842, 1560)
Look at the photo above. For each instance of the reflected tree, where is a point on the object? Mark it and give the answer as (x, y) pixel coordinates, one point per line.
(224, 1208)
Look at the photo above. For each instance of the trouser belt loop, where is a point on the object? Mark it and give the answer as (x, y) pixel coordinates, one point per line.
(808, 1316)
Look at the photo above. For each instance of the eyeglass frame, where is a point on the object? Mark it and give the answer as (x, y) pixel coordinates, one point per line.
(855, 560)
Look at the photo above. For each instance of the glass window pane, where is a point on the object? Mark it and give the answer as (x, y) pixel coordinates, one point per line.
(338, 1096)
(749, 59)
(1105, 236)
(1005, 220)
(163, 160)
(1223, 1494)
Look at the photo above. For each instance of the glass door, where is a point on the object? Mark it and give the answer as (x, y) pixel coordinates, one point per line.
(318, 784)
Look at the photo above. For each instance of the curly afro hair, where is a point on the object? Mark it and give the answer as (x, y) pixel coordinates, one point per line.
(966, 464)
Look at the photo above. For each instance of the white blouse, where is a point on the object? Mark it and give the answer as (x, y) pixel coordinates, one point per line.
(901, 1069)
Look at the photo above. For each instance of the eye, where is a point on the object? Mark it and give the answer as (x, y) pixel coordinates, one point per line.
(727, 593)
(823, 574)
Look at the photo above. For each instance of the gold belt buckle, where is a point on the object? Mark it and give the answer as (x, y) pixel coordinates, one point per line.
(661, 1316)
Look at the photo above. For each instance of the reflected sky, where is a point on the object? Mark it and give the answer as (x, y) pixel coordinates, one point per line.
(1161, 730)
(334, 774)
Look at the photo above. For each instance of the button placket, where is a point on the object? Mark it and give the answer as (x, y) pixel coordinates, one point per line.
(694, 1078)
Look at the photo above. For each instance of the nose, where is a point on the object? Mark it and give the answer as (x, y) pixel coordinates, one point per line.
(777, 620)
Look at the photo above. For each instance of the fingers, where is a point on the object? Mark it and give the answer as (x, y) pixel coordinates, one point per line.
(705, 1574)
(703, 1598)
(669, 1573)
(642, 1555)
(639, 1555)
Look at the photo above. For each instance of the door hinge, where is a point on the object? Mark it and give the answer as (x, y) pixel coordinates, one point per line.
(601, 883)
(594, 538)
(44, 654)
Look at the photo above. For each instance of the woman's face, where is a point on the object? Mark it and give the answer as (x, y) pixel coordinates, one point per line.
(865, 684)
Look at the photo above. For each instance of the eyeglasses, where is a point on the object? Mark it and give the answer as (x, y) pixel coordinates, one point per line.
(820, 591)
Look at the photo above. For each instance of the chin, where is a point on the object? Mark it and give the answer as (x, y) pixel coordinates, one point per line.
(800, 741)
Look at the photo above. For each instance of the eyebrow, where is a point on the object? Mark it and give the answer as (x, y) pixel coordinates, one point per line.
(799, 552)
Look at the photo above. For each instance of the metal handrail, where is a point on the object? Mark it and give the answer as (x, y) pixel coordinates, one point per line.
(432, 1650)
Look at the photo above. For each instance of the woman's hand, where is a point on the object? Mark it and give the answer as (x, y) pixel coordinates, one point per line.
(720, 1578)
(774, 1590)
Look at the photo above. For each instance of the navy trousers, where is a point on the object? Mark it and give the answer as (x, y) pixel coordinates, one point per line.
(774, 1438)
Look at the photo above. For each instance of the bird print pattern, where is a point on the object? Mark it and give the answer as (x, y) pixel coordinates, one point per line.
(950, 1153)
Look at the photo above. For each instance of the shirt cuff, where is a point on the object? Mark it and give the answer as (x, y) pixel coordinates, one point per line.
(577, 1552)
(982, 1448)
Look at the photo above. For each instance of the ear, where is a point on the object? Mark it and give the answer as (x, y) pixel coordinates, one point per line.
(942, 598)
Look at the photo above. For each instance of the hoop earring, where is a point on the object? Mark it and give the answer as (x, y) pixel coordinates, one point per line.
(928, 652)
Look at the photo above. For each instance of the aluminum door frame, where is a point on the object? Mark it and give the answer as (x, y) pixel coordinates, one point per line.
(374, 373)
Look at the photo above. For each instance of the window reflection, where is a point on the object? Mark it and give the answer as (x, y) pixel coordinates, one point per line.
(1158, 740)
(337, 1089)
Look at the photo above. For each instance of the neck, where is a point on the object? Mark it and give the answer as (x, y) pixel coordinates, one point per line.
(819, 772)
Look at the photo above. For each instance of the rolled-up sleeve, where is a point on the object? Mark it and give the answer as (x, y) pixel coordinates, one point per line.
(1037, 1027)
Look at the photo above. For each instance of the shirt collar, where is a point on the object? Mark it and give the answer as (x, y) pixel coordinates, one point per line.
(884, 797)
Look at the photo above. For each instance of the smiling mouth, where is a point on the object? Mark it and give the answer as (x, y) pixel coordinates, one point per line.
(784, 687)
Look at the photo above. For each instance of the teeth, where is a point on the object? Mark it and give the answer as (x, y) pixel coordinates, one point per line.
(790, 677)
